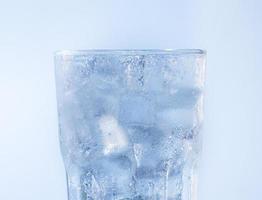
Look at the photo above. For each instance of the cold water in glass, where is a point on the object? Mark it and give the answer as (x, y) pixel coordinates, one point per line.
(129, 122)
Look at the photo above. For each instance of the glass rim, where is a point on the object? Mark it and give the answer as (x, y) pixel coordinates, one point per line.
(130, 52)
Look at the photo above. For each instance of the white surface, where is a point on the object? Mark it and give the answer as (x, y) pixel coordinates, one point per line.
(30, 162)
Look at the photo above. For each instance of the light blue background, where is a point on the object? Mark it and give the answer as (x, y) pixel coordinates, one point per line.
(30, 31)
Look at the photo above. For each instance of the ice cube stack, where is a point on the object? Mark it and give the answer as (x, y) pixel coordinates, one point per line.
(130, 126)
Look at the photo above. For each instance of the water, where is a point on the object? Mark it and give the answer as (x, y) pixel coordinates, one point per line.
(129, 126)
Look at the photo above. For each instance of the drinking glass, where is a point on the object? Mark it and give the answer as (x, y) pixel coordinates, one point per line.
(130, 122)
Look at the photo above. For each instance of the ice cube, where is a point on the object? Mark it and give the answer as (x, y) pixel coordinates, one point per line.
(185, 98)
(146, 141)
(150, 185)
(145, 189)
(154, 81)
(149, 157)
(113, 136)
(106, 73)
(145, 172)
(147, 145)
(177, 117)
(105, 104)
(134, 71)
(137, 109)
(94, 103)
(114, 174)
(91, 186)
(178, 122)
(141, 134)
(82, 153)
(180, 71)
(122, 160)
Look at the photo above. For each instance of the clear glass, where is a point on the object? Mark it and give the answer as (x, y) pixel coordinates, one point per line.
(130, 122)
